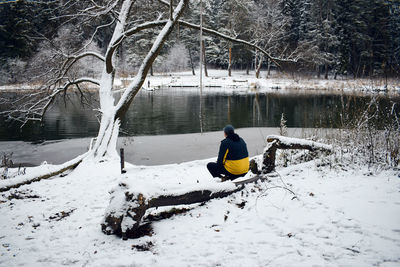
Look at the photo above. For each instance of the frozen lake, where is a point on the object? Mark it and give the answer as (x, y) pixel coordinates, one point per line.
(177, 111)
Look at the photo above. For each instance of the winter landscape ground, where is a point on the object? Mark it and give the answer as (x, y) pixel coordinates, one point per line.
(338, 216)
(335, 205)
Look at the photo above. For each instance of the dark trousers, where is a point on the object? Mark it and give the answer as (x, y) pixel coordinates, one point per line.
(218, 170)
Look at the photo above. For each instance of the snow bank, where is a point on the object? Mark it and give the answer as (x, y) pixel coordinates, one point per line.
(339, 216)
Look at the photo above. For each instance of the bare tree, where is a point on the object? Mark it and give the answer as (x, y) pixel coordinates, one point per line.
(120, 19)
(267, 31)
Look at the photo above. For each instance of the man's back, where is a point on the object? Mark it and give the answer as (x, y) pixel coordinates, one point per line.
(233, 155)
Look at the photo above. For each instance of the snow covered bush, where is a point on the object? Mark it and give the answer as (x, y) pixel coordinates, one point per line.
(372, 137)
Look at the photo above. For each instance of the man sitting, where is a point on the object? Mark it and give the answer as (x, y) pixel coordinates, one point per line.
(233, 157)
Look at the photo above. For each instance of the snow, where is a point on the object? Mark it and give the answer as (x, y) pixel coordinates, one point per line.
(240, 82)
(303, 142)
(339, 216)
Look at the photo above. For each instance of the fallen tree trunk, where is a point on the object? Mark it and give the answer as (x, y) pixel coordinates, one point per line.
(8, 184)
(127, 210)
(276, 142)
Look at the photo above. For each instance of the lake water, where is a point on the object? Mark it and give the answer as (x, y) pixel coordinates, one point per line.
(174, 111)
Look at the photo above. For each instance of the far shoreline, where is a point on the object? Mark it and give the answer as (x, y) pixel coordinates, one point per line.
(218, 80)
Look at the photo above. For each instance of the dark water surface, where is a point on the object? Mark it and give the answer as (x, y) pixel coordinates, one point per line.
(172, 111)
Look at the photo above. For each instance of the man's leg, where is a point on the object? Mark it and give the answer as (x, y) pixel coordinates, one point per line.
(215, 169)
(233, 176)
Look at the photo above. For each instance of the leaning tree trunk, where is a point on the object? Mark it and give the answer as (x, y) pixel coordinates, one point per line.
(112, 115)
(106, 140)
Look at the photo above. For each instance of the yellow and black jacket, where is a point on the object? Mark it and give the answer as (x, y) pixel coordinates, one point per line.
(233, 155)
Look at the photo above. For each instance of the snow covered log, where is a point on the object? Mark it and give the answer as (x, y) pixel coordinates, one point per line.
(127, 207)
(281, 142)
(39, 173)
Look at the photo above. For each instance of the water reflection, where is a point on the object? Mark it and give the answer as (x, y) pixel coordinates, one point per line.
(175, 111)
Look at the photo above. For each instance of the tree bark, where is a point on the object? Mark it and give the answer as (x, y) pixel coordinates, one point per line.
(204, 58)
(230, 62)
(125, 224)
(191, 61)
(259, 67)
(326, 71)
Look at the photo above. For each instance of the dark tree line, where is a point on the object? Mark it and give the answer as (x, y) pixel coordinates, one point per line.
(360, 38)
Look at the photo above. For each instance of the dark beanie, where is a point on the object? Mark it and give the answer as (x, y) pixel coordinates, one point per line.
(229, 129)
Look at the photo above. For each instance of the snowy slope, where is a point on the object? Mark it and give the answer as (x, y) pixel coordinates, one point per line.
(337, 217)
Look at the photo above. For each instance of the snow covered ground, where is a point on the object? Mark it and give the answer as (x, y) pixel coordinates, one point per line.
(339, 216)
(240, 82)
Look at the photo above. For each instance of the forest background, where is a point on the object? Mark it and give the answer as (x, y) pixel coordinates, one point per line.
(324, 38)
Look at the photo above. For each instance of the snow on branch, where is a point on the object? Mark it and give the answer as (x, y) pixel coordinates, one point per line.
(118, 40)
(91, 12)
(39, 173)
(127, 97)
(72, 59)
(290, 142)
(158, 23)
(239, 41)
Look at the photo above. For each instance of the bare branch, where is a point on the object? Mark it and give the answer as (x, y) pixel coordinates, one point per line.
(127, 98)
(159, 23)
(239, 41)
(164, 3)
(35, 105)
(118, 41)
